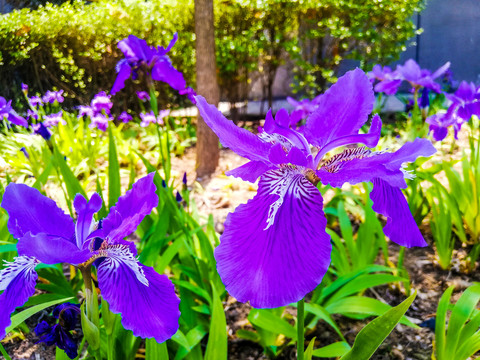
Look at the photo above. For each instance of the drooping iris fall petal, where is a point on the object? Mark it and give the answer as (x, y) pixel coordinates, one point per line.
(275, 249)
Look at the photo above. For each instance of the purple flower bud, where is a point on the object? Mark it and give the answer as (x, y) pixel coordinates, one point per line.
(143, 95)
(125, 117)
(42, 130)
(184, 180)
(178, 197)
(52, 96)
(25, 152)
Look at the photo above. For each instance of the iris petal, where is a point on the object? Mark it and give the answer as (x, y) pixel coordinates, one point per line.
(275, 249)
(130, 210)
(18, 282)
(342, 110)
(146, 299)
(30, 211)
(250, 171)
(241, 141)
(51, 249)
(164, 71)
(365, 167)
(85, 211)
(370, 139)
(390, 202)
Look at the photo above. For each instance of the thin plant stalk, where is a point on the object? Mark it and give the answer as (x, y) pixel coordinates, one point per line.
(300, 329)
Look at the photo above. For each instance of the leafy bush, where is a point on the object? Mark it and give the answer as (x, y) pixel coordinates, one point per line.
(73, 45)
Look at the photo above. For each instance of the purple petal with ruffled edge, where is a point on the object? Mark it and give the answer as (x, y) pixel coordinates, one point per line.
(390, 202)
(145, 299)
(16, 119)
(30, 211)
(172, 42)
(51, 249)
(409, 152)
(370, 139)
(274, 249)
(18, 282)
(241, 141)
(250, 171)
(361, 165)
(389, 87)
(130, 210)
(124, 71)
(342, 110)
(164, 71)
(85, 211)
(410, 70)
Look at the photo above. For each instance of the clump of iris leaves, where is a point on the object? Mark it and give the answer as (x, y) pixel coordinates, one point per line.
(141, 274)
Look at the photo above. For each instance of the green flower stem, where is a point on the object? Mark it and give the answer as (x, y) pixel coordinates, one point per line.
(166, 160)
(300, 328)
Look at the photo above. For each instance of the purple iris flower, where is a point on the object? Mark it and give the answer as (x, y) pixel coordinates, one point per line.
(85, 110)
(54, 119)
(100, 121)
(152, 61)
(59, 334)
(275, 249)
(34, 101)
(465, 101)
(125, 117)
(25, 88)
(143, 95)
(52, 96)
(149, 118)
(440, 122)
(303, 108)
(6, 111)
(417, 77)
(100, 102)
(146, 300)
(32, 115)
(389, 80)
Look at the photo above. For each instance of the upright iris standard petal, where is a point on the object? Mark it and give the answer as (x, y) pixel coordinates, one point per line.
(30, 211)
(275, 249)
(370, 139)
(342, 110)
(130, 210)
(242, 141)
(146, 299)
(85, 211)
(17, 281)
(390, 202)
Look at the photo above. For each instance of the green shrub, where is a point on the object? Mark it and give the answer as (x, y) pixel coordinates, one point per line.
(74, 45)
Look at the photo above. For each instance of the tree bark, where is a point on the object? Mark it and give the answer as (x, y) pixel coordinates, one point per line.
(207, 86)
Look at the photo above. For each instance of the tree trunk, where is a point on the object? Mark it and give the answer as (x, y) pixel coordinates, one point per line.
(207, 141)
